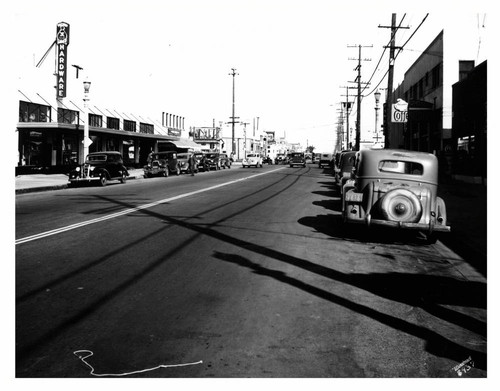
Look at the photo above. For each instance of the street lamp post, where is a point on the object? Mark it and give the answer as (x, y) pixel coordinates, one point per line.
(377, 108)
(86, 138)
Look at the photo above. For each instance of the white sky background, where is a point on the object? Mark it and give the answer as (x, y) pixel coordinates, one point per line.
(292, 57)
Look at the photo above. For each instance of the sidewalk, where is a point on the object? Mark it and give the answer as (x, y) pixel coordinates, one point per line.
(44, 182)
(466, 208)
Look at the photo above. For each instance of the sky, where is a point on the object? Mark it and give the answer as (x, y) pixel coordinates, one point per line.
(294, 59)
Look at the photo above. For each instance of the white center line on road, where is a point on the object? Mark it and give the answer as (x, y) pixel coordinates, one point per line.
(130, 210)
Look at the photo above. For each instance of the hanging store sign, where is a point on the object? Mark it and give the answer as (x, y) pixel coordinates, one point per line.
(399, 111)
(62, 42)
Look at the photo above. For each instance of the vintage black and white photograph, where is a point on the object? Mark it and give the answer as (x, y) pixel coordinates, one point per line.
(247, 189)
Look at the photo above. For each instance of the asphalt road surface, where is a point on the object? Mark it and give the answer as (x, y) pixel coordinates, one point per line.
(234, 274)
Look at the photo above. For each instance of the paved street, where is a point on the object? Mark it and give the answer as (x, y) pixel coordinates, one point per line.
(236, 273)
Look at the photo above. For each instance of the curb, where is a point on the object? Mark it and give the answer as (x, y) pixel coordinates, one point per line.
(52, 187)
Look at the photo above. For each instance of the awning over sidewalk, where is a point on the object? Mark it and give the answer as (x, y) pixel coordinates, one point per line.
(184, 143)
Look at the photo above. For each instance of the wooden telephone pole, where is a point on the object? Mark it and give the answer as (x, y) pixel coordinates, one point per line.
(390, 80)
(359, 82)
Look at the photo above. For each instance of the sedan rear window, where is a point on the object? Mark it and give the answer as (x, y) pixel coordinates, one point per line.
(401, 167)
(96, 158)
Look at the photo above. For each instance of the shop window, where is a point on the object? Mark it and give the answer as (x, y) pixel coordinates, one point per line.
(113, 123)
(129, 125)
(33, 112)
(146, 128)
(95, 120)
(66, 116)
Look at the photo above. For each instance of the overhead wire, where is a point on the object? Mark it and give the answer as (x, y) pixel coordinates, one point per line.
(376, 67)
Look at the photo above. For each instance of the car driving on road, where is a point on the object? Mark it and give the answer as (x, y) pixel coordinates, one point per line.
(252, 159)
(297, 159)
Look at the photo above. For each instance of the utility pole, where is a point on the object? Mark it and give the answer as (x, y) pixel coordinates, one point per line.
(347, 106)
(390, 81)
(358, 80)
(233, 118)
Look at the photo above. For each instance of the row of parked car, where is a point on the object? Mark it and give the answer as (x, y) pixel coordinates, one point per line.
(391, 188)
(172, 162)
(102, 167)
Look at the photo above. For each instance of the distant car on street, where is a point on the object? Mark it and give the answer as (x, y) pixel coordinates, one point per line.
(183, 161)
(211, 160)
(297, 159)
(280, 159)
(225, 161)
(395, 188)
(325, 159)
(252, 159)
(198, 157)
(161, 164)
(344, 169)
(100, 167)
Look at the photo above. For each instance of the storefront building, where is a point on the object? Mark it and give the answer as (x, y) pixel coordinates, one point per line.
(50, 136)
(446, 97)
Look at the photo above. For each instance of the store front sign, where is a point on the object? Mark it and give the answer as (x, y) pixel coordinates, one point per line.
(62, 42)
(399, 111)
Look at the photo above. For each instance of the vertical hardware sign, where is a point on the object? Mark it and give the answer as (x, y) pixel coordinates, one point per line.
(62, 42)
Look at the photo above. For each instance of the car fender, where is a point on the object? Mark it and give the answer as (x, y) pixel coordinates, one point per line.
(97, 172)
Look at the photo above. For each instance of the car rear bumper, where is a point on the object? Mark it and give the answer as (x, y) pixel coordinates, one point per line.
(368, 221)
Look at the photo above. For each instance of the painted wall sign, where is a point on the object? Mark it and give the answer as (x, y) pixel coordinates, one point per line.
(62, 42)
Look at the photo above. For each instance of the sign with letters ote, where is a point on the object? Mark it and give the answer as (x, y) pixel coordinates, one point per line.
(62, 42)
(399, 111)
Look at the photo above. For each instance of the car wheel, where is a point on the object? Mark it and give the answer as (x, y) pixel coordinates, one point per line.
(401, 205)
(103, 180)
(124, 177)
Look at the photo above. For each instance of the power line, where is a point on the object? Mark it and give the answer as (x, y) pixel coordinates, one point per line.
(380, 60)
